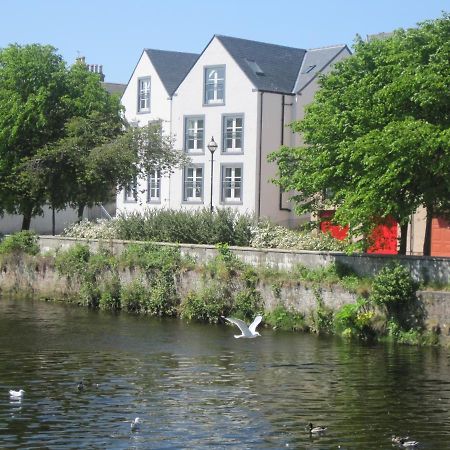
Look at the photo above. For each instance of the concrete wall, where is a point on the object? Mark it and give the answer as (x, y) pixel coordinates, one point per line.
(11, 223)
(429, 269)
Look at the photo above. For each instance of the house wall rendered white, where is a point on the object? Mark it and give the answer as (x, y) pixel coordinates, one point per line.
(160, 109)
(240, 98)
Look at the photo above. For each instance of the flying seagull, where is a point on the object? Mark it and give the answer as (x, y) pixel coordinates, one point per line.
(16, 394)
(248, 332)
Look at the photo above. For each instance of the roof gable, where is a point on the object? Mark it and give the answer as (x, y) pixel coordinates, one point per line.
(269, 67)
(171, 67)
(314, 62)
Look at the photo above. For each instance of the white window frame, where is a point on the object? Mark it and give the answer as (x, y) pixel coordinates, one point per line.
(144, 95)
(194, 175)
(192, 128)
(130, 192)
(214, 77)
(154, 186)
(235, 183)
(234, 131)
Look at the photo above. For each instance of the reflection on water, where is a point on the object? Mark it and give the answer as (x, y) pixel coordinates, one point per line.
(196, 386)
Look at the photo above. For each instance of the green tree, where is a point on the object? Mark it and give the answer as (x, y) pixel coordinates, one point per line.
(33, 110)
(377, 134)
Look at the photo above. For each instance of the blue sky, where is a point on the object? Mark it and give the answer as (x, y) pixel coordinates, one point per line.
(113, 33)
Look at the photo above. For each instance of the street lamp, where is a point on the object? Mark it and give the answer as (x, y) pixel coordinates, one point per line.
(212, 147)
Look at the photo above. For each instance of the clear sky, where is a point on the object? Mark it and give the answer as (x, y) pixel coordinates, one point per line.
(114, 33)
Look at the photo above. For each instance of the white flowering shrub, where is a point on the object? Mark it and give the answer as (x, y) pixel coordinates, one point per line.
(261, 235)
(268, 235)
(98, 229)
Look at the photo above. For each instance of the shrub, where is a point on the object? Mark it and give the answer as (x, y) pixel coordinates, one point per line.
(355, 319)
(98, 229)
(268, 235)
(286, 319)
(134, 296)
(208, 304)
(393, 288)
(73, 261)
(110, 295)
(21, 242)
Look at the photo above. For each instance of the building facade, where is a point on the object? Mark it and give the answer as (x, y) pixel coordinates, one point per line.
(240, 93)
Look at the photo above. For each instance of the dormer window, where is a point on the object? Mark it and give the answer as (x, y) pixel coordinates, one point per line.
(214, 88)
(144, 95)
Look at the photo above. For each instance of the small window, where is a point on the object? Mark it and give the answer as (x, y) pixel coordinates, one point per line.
(231, 184)
(194, 134)
(131, 192)
(233, 129)
(193, 184)
(214, 89)
(154, 186)
(144, 95)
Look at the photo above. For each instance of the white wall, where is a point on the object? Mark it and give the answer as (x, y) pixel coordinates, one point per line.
(160, 109)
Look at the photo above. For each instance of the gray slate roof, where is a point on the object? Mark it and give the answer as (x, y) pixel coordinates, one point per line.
(314, 62)
(114, 88)
(270, 67)
(172, 67)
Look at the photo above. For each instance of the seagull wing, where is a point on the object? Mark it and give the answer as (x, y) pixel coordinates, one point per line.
(254, 324)
(241, 324)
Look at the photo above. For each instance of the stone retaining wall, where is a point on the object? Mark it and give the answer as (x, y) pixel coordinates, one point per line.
(428, 269)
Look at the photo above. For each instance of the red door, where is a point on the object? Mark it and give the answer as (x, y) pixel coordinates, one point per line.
(440, 237)
(384, 238)
(327, 226)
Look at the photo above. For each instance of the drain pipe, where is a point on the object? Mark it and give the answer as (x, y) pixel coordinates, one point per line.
(283, 105)
(258, 210)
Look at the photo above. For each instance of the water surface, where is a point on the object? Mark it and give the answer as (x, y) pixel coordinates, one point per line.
(195, 386)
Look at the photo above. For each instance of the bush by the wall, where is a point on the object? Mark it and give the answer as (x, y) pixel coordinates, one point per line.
(21, 242)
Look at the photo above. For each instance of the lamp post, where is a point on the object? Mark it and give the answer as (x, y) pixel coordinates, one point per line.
(212, 147)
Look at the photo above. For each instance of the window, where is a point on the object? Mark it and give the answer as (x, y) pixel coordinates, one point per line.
(233, 127)
(131, 192)
(194, 131)
(214, 85)
(154, 186)
(193, 184)
(144, 95)
(232, 184)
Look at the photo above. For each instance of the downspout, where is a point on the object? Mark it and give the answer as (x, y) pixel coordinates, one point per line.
(258, 210)
(283, 104)
(170, 134)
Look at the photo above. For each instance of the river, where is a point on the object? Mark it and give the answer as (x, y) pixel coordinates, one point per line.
(195, 386)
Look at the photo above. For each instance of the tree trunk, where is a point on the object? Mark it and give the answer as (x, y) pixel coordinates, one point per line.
(403, 239)
(26, 221)
(427, 240)
(53, 222)
(80, 211)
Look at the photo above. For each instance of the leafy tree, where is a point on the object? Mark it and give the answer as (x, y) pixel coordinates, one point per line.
(377, 134)
(33, 110)
(63, 140)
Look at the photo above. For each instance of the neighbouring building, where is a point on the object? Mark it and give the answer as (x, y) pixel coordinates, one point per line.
(240, 93)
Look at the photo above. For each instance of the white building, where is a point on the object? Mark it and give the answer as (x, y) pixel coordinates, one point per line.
(241, 93)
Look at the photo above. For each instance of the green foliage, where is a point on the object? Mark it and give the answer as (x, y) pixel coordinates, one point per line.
(393, 287)
(110, 297)
(377, 133)
(285, 319)
(322, 317)
(21, 242)
(196, 227)
(73, 261)
(355, 320)
(207, 304)
(133, 296)
(51, 118)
